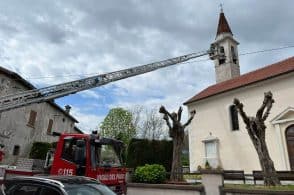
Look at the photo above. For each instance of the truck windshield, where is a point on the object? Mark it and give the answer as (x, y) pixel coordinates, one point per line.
(88, 189)
(104, 155)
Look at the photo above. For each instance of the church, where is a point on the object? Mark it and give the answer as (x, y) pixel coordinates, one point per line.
(217, 133)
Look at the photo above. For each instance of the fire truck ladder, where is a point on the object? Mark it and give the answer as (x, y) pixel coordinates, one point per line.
(55, 91)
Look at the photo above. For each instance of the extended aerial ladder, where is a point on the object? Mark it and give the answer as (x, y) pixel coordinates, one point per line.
(56, 91)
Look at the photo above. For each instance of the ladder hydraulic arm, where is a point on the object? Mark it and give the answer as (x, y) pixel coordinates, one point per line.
(55, 91)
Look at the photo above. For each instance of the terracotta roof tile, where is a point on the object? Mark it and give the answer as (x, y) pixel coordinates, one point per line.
(270, 71)
(223, 25)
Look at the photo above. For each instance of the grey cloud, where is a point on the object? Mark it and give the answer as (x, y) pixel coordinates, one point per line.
(73, 37)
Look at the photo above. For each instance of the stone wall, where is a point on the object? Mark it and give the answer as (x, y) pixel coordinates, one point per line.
(212, 184)
(163, 189)
(229, 191)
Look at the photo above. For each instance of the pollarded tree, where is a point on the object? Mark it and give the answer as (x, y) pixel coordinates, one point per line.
(256, 129)
(118, 125)
(177, 133)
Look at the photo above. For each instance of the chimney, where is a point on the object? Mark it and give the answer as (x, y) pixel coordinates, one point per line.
(67, 108)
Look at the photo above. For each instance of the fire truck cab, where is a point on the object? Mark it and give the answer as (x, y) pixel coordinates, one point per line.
(91, 156)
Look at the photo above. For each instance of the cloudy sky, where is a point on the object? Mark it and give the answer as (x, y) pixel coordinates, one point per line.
(50, 42)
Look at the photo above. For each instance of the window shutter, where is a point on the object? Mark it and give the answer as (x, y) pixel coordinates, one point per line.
(50, 124)
(32, 119)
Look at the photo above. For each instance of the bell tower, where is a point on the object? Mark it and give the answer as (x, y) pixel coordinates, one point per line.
(226, 66)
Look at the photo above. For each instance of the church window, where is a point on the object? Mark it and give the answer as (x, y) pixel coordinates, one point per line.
(32, 119)
(234, 118)
(222, 58)
(234, 56)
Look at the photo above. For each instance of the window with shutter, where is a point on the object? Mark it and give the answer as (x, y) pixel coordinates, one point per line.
(50, 124)
(32, 119)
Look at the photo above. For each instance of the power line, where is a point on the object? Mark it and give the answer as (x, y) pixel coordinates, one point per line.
(245, 53)
(267, 50)
(192, 61)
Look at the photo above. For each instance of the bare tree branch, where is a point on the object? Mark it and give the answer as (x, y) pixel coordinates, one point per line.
(190, 119)
(239, 107)
(268, 99)
(180, 113)
(164, 111)
(165, 117)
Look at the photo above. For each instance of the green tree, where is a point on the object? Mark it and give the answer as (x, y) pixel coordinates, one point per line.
(118, 125)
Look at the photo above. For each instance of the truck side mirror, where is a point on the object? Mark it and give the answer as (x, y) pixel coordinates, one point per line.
(80, 153)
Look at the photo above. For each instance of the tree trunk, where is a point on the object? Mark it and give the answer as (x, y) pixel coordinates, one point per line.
(177, 133)
(269, 173)
(176, 170)
(256, 129)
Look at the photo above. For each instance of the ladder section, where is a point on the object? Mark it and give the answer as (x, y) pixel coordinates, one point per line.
(56, 91)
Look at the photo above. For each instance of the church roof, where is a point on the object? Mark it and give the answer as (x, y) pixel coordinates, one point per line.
(223, 25)
(268, 72)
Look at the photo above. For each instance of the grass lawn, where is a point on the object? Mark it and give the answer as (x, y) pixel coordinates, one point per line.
(192, 176)
(260, 187)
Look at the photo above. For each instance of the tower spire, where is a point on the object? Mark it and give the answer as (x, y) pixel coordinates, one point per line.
(223, 25)
(226, 67)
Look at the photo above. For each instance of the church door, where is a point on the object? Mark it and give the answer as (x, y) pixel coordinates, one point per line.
(290, 144)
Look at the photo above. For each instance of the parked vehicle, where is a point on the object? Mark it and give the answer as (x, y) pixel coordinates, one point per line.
(85, 155)
(55, 185)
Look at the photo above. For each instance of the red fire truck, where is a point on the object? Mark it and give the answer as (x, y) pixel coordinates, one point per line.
(82, 155)
(91, 156)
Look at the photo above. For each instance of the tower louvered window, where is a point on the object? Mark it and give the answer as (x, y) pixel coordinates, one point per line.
(234, 56)
(222, 60)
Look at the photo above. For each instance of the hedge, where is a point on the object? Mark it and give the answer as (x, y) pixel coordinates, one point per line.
(143, 151)
(150, 174)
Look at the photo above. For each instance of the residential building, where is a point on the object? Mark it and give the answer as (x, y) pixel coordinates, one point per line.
(20, 127)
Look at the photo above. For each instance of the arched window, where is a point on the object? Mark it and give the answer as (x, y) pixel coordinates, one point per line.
(222, 58)
(234, 118)
(289, 133)
(234, 56)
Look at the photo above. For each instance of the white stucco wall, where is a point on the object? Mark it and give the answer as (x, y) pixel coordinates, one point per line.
(235, 148)
(14, 122)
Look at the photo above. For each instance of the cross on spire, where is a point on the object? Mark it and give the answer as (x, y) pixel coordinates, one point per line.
(221, 7)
